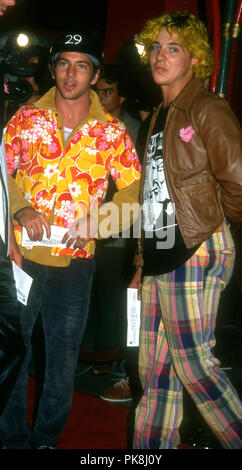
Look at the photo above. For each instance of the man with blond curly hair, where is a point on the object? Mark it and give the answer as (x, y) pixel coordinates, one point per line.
(190, 189)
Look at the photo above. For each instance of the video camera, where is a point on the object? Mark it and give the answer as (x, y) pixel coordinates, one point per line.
(16, 51)
(13, 70)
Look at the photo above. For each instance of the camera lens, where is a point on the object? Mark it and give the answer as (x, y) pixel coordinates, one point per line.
(19, 91)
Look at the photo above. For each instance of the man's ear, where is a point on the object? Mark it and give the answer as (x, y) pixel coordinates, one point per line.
(51, 70)
(122, 99)
(95, 78)
(194, 60)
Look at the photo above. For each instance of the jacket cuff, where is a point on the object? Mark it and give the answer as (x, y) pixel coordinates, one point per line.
(17, 200)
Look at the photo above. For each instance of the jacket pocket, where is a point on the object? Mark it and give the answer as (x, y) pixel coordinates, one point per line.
(200, 204)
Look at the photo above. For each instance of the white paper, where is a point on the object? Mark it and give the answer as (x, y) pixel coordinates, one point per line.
(133, 317)
(57, 233)
(23, 283)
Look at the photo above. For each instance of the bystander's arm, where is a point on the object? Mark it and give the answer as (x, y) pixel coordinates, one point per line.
(17, 200)
(14, 252)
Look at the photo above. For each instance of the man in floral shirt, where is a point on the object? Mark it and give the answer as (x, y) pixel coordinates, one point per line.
(62, 150)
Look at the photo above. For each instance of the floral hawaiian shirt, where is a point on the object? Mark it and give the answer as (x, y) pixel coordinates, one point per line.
(64, 180)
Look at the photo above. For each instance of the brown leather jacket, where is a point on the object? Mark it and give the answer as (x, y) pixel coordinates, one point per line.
(203, 168)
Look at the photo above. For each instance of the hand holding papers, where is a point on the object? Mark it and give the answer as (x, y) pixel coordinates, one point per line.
(34, 222)
(55, 240)
(81, 231)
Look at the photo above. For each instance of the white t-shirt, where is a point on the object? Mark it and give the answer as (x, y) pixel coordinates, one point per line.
(67, 132)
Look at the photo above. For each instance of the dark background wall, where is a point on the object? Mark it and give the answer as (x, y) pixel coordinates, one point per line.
(116, 23)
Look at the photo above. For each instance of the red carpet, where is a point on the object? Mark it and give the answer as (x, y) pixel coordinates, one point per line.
(93, 423)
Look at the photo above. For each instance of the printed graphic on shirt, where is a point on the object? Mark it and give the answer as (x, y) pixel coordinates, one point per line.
(158, 211)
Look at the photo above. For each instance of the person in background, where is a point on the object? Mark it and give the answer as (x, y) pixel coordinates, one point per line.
(12, 348)
(4, 4)
(37, 57)
(113, 258)
(61, 151)
(191, 188)
(34, 59)
(112, 94)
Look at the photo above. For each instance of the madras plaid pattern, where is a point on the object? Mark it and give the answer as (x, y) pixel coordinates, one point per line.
(176, 337)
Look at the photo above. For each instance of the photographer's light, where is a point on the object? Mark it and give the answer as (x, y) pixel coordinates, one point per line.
(140, 48)
(22, 40)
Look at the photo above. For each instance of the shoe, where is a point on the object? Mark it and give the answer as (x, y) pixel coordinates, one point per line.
(115, 368)
(101, 369)
(118, 393)
(200, 438)
(43, 447)
(13, 448)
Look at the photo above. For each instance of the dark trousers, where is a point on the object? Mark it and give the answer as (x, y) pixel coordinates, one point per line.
(12, 348)
(111, 292)
(60, 296)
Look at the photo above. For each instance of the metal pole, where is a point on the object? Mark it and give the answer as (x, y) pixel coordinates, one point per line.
(216, 20)
(225, 49)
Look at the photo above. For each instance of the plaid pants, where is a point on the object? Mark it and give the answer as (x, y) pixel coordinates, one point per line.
(176, 340)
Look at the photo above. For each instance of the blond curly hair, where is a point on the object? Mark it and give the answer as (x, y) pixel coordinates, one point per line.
(192, 34)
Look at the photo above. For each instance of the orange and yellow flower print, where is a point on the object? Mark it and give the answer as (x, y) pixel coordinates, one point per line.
(67, 180)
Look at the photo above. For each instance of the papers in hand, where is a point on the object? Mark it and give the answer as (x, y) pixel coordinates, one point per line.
(57, 233)
(133, 317)
(23, 283)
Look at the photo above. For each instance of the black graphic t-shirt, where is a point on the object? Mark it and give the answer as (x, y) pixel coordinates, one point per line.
(164, 248)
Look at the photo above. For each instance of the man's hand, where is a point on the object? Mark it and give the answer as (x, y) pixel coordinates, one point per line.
(34, 222)
(135, 282)
(4, 4)
(80, 233)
